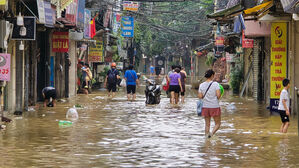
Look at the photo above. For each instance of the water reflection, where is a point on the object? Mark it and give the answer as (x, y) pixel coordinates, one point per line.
(117, 133)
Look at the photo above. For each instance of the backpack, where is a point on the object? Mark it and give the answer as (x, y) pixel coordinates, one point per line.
(112, 77)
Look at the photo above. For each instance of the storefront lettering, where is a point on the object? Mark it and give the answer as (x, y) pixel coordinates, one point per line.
(4, 71)
(278, 71)
(278, 63)
(277, 78)
(277, 93)
(278, 49)
(278, 56)
(278, 41)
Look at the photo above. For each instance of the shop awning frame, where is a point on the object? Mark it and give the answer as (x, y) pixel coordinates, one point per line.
(290, 6)
(226, 13)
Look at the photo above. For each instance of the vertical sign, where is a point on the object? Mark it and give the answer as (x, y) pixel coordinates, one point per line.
(60, 42)
(4, 67)
(71, 12)
(87, 17)
(107, 17)
(41, 11)
(116, 22)
(279, 62)
(127, 26)
(96, 53)
(48, 14)
(2, 2)
(80, 14)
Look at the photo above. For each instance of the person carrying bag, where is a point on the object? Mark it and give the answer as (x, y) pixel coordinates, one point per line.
(200, 102)
(209, 93)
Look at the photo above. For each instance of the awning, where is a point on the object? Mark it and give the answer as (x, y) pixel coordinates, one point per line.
(259, 10)
(226, 12)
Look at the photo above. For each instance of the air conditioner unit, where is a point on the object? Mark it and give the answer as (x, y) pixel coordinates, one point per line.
(74, 35)
(5, 33)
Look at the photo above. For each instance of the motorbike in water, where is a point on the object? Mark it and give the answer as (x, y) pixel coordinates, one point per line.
(152, 92)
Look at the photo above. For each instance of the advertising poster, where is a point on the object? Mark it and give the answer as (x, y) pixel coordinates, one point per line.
(278, 70)
(96, 53)
(60, 42)
(4, 67)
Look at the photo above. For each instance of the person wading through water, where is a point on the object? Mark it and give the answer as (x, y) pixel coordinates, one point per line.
(211, 107)
(175, 86)
(131, 79)
(111, 80)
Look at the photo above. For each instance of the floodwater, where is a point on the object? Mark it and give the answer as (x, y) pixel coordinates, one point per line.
(117, 133)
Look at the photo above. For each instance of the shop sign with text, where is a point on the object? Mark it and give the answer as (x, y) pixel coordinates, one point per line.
(2, 2)
(130, 6)
(279, 62)
(127, 26)
(80, 14)
(71, 12)
(247, 43)
(41, 11)
(87, 17)
(4, 67)
(60, 42)
(96, 53)
(49, 21)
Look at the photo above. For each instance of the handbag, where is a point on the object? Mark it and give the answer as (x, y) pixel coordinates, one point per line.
(200, 102)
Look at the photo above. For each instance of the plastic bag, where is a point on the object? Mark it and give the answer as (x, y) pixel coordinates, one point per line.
(166, 87)
(123, 83)
(72, 114)
(199, 107)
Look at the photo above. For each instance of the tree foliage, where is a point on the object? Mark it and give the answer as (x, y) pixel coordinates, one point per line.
(172, 24)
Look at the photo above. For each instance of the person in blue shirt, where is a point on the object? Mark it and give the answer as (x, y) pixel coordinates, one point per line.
(131, 79)
(152, 70)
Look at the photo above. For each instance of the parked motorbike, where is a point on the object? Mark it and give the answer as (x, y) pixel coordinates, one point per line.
(152, 92)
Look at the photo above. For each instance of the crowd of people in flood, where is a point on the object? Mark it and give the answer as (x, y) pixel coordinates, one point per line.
(175, 85)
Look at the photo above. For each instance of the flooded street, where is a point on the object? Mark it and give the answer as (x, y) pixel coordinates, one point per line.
(117, 133)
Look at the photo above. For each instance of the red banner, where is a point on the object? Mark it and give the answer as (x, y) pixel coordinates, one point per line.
(60, 42)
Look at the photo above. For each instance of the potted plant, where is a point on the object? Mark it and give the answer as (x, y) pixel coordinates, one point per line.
(236, 77)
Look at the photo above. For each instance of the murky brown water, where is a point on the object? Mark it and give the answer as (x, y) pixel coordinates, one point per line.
(117, 133)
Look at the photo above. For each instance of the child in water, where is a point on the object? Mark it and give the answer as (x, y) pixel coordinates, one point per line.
(284, 106)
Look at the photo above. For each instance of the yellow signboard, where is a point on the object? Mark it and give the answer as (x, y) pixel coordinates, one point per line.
(96, 53)
(278, 58)
(2, 2)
